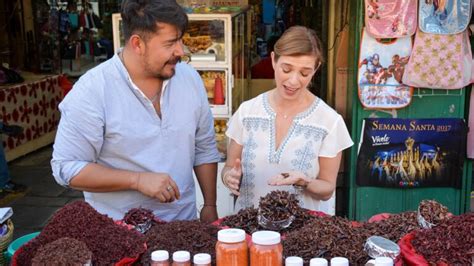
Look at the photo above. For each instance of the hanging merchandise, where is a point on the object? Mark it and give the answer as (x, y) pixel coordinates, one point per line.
(412, 152)
(390, 18)
(444, 16)
(64, 25)
(439, 61)
(74, 20)
(381, 67)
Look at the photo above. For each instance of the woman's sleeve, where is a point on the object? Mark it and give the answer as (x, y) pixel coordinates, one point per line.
(336, 140)
(235, 128)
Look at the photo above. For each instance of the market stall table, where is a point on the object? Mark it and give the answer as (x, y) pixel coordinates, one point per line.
(32, 104)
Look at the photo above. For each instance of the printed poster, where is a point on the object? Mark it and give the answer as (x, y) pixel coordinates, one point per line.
(411, 152)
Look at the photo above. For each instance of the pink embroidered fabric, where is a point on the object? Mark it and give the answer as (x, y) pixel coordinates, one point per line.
(439, 61)
(391, 18)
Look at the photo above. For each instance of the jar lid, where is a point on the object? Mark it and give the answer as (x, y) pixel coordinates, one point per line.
(318, 262)
(383, 261)
(181, 256)
(160, 255)
(293, 261)
(231, 235)
(377, 246)
(266, 238)
(339, 261)
(202, 258)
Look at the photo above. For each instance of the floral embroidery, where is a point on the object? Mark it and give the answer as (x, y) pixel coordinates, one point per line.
(275, 156)
(256, 123)
(309, 111)
(248, 185)
(304, 156)
(311, 132)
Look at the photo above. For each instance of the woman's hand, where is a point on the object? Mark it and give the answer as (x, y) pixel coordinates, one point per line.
(231, 177)
(291, 178)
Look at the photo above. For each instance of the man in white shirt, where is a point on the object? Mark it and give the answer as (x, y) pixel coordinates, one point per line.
(133, 128)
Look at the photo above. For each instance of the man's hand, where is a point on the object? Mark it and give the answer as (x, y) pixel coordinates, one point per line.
(231, 178)
(157, 185)
(208, 214)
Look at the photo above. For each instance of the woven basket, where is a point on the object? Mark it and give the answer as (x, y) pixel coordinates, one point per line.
(5, 241)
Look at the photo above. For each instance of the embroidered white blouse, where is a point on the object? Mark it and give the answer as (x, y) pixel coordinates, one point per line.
(317, 132)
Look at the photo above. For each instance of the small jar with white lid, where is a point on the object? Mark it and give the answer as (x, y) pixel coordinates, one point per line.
(181, 258)
(160, 258)
(339, 261)
(380, 261)
(318, 262)
(293, 261)
(202, 259)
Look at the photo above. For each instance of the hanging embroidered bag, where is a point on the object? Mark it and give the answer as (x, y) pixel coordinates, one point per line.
(439, 61)
(391, 18)
(444, 16)
(381, 67)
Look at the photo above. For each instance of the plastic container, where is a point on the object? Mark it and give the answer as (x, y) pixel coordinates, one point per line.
(231, 248)
(274, 225)
(218, 92)
(318, 262)
(377, 246)
(293, 261)
(181, 258)
(381, 261)
(160, 258)
(202, 259)
(266, 249)
(339, 261)
(17, 243)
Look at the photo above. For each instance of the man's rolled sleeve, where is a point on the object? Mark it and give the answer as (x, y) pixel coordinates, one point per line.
(206, 148)
(64, 171)
(80, 134)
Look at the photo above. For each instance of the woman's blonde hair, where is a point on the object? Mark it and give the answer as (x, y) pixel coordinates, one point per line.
(299, 40)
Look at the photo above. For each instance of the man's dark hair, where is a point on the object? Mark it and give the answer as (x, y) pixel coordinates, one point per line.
(142, 16)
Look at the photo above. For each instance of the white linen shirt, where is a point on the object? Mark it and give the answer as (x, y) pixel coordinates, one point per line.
(317, 132)
(106, 119)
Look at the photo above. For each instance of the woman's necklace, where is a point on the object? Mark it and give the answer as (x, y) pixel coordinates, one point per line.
(281, 114)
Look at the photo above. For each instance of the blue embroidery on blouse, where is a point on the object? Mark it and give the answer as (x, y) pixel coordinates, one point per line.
(295, 129)
(304, 156)
(256, 123)
(300, 116)
(247, 186)
(311, 132)
(275, 156)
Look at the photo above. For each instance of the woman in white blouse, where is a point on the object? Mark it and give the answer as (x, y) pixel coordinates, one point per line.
(287, 138)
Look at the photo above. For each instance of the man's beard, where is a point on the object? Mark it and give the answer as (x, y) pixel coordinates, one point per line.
(158, 74)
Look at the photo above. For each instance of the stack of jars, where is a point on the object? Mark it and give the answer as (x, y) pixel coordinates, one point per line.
(232, 250)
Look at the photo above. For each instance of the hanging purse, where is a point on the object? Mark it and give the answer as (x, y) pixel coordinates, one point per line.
(439, 61)
(381, 68)
(444, 16)
(391, 18)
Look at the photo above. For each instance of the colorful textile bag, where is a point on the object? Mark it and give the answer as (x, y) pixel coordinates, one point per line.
(444, 16)
(391, 18)
(381, 68)
(439, 61)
